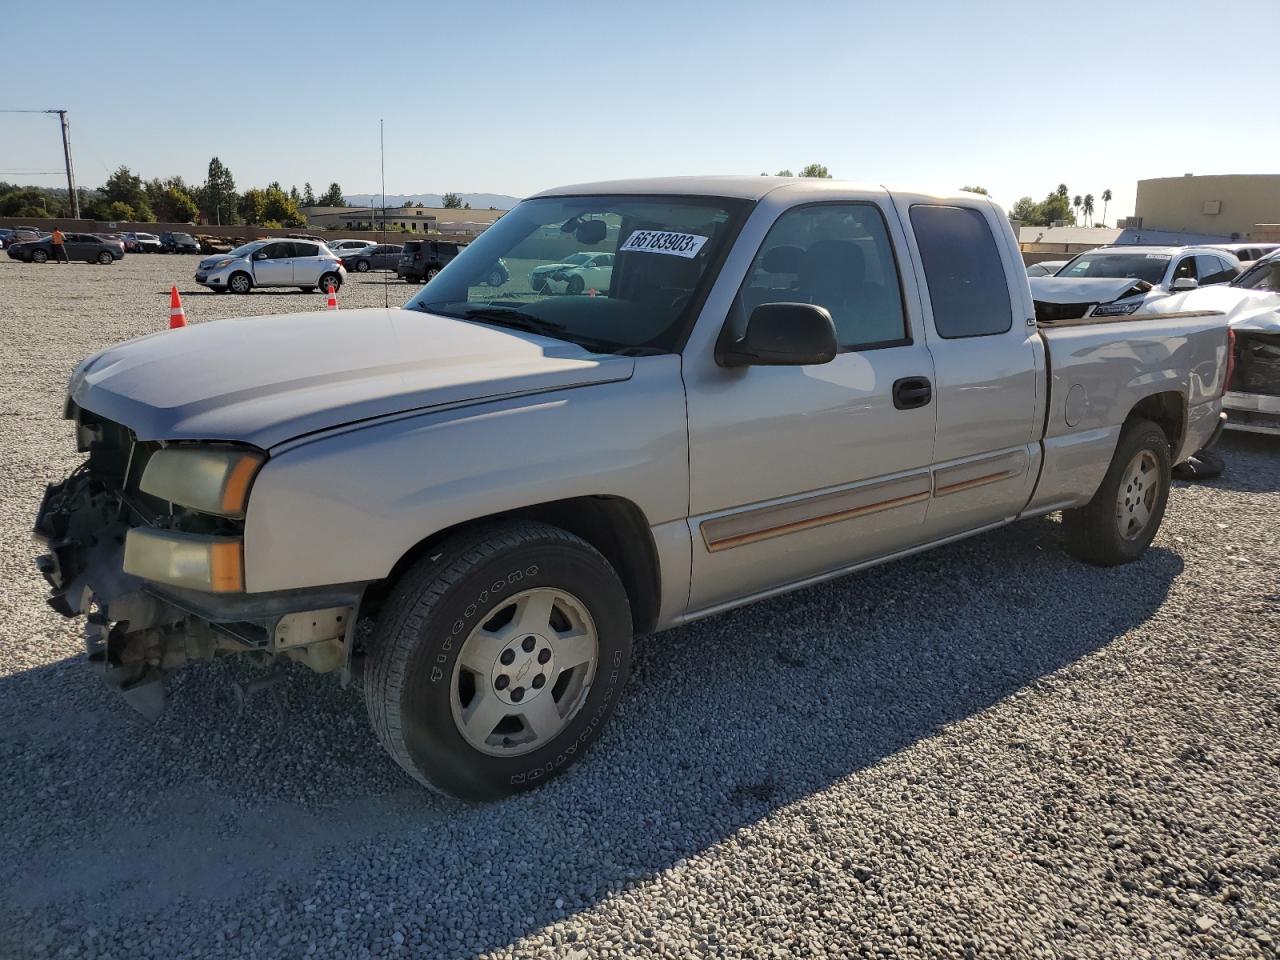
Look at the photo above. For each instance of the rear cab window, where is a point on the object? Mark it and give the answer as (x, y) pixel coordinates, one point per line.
(963, 271)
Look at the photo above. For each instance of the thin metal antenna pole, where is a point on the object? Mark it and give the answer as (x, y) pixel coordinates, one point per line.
(382, 150)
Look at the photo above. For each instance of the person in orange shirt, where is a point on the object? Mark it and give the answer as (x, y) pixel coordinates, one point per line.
(59, 246)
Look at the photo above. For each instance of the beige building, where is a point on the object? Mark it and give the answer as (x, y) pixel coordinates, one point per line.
(1233, 205)
(445, 220)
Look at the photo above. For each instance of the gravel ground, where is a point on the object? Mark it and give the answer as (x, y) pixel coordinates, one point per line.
(988, 750)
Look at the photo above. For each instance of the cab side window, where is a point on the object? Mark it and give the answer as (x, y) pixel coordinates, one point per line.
(963, 271)
(838, 256)
(1186, 268)
(278, 251)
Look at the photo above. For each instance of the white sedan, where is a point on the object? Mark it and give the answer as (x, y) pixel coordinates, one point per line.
(578, 273)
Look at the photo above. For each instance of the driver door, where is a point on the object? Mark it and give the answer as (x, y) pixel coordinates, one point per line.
(797, 471)
(273, 265)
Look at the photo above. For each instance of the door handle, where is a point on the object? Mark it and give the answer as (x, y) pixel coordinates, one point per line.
(912, 392)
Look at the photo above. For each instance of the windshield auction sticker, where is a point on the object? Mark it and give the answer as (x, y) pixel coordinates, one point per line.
(663, 241)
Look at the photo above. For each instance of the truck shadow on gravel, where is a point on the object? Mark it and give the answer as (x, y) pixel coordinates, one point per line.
(725, 721)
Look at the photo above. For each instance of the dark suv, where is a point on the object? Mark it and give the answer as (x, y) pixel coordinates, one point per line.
(178, 243)
(420, 260)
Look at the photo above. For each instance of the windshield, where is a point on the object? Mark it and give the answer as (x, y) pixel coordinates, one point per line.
(246, 249)
(1263, 275)
(1139, 266)
(615, 274)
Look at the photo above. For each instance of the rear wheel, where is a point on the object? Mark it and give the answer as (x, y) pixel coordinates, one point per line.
(330, 278)
(239, 283)
(1122, 519)
(498, 659)
(431, 273)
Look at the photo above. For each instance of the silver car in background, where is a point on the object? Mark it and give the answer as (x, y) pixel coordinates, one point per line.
(304, 264)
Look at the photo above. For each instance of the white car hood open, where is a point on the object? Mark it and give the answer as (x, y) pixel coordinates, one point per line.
(265, 380)
(1084, 289)
(1254, 311)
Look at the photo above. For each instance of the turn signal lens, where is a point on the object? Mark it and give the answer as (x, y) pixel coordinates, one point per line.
(213, 564)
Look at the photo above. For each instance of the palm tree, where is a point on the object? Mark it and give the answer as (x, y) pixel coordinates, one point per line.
(1088, 208)
(1106, 198)
(1076, 202)
(1062, 191)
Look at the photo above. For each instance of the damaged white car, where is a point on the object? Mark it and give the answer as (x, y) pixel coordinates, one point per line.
(1251, 307)
(1122, 281)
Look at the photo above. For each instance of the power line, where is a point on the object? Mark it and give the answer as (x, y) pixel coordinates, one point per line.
(72, 195)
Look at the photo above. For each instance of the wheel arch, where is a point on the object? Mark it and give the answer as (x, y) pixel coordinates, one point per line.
(615, 526)
(1168, 410)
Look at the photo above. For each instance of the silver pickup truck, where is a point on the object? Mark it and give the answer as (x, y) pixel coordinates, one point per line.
(775, 382)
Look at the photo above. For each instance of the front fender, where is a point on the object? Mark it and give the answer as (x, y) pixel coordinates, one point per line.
(346, 506)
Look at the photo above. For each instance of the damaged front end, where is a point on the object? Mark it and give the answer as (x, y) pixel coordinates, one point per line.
(160, 584)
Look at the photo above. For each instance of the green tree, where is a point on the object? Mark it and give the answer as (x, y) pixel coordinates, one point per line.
(815, 170)
(16, 201)
(1054, 207)
(452, 201)
(333, 197)
(308, 197)
(1027, 211)
(1062, 191)
(784, 172)
(982, 190)
(125, 186)
(1077, 202)
(252, 206)
(119, 210)
(1106, 198)
(218, 198)
(1087, 206)
(294, 195)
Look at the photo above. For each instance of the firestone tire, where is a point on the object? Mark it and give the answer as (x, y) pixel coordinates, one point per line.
(1137, 480)
(414, 676)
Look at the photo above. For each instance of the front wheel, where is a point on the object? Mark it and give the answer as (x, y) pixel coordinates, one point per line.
(498, 659)
(39, 256)
(239, 283)
(1122, 519)
(362, 266)
(496, 278)
(105, 258)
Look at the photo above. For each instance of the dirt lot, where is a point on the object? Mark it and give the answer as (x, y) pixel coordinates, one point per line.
(988, 750)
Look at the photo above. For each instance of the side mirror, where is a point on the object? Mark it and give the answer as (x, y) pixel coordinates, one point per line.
(783, 335)
(260, 255)
(1184, 283)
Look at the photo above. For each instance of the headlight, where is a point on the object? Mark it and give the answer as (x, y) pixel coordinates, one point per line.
(207, 479)
(223, 263)
(1116, 309)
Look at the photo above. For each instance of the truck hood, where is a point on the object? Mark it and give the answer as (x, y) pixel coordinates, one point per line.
(265, 380)
(1085, 289)
(1254, 311)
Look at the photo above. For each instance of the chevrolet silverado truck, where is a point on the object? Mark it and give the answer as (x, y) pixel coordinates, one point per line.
(785, 381)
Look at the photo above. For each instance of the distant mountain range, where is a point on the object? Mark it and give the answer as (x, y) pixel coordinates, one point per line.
(478, 201)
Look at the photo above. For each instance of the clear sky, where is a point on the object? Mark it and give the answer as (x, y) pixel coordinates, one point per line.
(514, 97)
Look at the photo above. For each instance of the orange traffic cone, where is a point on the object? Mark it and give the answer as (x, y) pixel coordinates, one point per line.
(333, 297)
(177, 316)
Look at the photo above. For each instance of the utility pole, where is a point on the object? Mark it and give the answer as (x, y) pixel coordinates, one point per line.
(66, 153)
